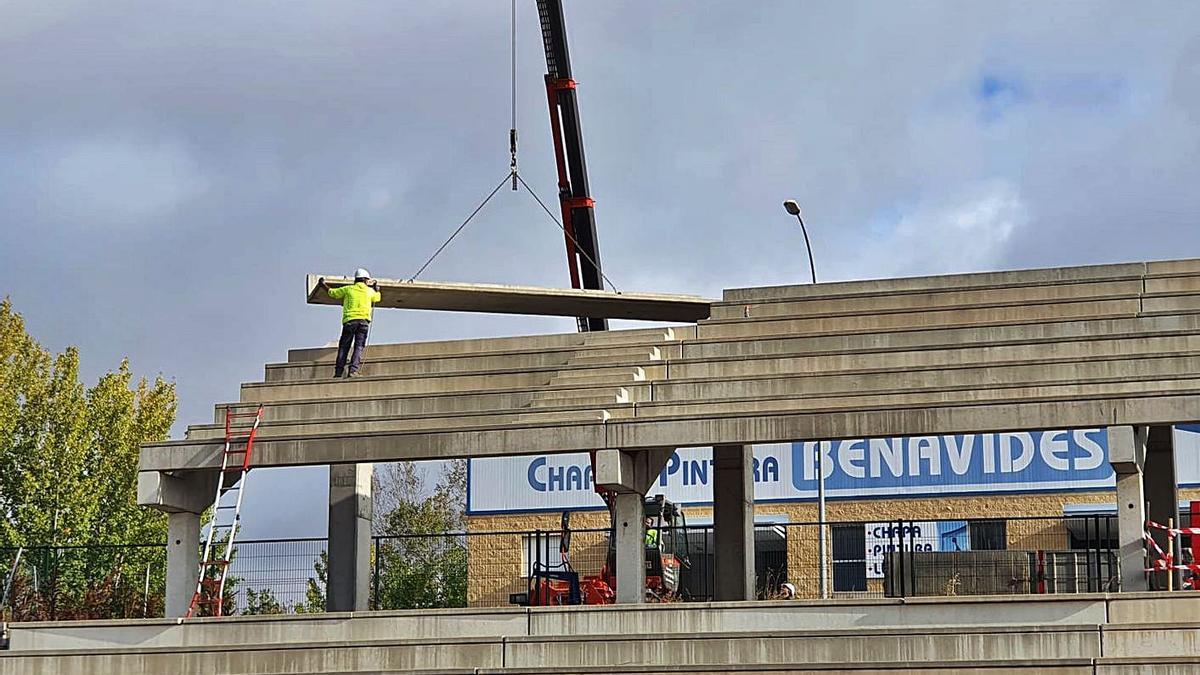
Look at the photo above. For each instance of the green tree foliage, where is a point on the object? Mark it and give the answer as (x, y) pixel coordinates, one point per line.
(262, 602)
(68, 478)
(422, 560)
(314, 592)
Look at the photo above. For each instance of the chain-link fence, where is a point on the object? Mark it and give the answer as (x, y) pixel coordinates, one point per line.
(892, 558)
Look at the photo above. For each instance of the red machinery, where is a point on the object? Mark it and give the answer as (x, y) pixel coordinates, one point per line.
(558, 583)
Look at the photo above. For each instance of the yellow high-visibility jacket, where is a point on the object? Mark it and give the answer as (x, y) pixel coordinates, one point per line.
(357, 300)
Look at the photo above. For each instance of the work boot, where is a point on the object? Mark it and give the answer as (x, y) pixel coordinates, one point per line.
(351, 374)
(337, 375)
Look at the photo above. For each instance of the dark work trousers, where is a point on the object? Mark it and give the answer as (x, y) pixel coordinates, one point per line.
(353, 332)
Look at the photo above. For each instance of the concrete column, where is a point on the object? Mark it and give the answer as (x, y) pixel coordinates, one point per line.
(348, 587)
(183, 561)
(1126, 453)
(630, 474)
(630, 513)
(733, 522)
(1161, 489)
(183, 496)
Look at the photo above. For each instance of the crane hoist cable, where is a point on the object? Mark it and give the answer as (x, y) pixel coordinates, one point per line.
(514, 175)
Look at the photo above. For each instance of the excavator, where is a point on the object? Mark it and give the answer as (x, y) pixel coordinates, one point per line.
(666, 555)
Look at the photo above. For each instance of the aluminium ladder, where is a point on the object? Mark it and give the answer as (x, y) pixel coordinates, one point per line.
(223, 520)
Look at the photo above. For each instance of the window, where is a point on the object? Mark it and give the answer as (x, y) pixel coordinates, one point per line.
(542, 549)
(849, 557)
(988, 535)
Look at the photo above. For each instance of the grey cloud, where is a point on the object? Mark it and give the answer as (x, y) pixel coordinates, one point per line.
(170, 171)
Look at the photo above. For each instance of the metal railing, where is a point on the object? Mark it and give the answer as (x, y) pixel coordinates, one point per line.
(890, 558)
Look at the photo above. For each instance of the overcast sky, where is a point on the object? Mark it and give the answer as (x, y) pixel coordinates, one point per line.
(170, 171)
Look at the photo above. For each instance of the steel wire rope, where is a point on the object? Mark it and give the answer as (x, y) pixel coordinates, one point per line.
(482, 204)
(569, 235)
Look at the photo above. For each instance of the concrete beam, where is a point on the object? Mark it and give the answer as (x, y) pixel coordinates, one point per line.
(625, 471)
(709, 427)
(183, 492)
(497, 299)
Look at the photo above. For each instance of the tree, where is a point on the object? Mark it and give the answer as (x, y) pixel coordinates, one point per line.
(262, 602)
(422, 559)
(68, 479)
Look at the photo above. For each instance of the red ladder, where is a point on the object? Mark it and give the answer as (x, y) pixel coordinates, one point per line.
(240, 430)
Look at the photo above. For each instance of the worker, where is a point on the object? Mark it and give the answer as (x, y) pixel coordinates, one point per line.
(651, 534)
(357, 301)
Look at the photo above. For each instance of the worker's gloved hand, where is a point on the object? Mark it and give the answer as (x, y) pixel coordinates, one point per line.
(375, 284)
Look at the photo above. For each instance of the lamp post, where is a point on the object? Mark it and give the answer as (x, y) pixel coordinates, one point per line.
(794, 209)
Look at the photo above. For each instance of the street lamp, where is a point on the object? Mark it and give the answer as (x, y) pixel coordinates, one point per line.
(794, 209)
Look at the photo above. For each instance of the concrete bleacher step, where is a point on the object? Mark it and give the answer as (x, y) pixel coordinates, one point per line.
(645, 336)
(622, 356)
(973, 280)
(484, 346)
(571, 397)
(567, 416)
(1020, 333)
(1048, 666)
(939, 299)
(953, 318)
(261, 392)
(959, 356)
(599, 376)
(499, 361)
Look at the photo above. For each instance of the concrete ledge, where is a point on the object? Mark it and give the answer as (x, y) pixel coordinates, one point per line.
(319, 657)
(974, 280)
(932, 299)
(1152, 608)
(809, 615)
(268, 629)
(790, 647)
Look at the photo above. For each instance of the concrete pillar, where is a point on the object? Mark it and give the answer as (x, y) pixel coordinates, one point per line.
(1161, 489)
(630, 512)
(183, 496)
(733, 522)
(348, 586)
(1127, 453)
(183, 561)
(630, 473)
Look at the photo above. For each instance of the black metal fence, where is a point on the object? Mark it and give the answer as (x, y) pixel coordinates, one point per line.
(892, 558)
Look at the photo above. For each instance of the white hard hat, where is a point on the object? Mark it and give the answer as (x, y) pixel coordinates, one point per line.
(361, 273)
(788, 590)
